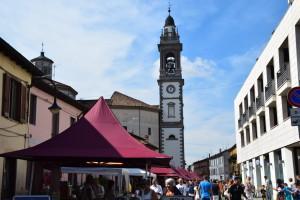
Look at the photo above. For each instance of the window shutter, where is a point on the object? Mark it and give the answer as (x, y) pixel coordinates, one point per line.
(24, 104)
(6, 95)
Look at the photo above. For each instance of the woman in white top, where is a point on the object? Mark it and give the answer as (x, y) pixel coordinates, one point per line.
(156, 188)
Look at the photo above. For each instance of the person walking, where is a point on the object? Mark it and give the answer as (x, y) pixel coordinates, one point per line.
(205, 188)
(181, 187)
(236, 190)
(146, 192)
(249, 189)
(269, 188)
(263, 192)
(156, 188)
(170, 189)
(191, 191)
(215, 190)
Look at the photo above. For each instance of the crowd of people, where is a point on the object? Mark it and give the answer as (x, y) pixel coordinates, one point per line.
(204, 189)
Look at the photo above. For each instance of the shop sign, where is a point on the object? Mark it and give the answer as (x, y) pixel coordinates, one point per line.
(31, 197)
(295, 116)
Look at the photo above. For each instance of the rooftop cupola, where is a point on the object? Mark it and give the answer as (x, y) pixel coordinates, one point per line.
(43, 63)
(169, 31)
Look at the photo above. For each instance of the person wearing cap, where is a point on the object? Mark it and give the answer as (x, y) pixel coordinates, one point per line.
(236, 190)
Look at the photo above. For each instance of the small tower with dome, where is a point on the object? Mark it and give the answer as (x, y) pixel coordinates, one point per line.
(44, 64)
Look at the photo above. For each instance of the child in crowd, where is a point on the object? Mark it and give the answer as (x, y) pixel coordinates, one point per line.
(263, 192)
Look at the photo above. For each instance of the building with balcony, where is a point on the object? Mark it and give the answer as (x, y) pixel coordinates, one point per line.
(267, 144)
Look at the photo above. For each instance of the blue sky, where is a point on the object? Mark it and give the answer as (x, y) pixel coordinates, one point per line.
(104, 46)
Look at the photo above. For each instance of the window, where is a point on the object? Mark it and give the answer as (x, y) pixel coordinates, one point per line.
(248, 135)
(171, 110)
(14, 99)
(254, 130)
(171, 137)
(242, 139)
(55, 124)
(286, 107)
(273, 116)
(263, 129)
(72, 120)
(149, 131)
(32, 114)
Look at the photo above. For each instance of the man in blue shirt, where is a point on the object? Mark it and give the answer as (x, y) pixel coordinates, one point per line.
(205, 189)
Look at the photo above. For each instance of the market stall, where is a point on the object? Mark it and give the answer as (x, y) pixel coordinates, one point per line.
(96, 140)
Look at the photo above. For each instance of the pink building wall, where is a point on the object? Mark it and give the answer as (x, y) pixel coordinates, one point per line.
(42, 129)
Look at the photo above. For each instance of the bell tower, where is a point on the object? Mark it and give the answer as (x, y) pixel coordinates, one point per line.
(170, 91)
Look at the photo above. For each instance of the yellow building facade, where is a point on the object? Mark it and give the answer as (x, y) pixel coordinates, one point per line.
(15, 78)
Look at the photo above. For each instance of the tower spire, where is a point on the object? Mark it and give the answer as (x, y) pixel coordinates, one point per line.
(169, 8)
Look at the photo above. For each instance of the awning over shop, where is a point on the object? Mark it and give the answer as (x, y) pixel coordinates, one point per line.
(186, 174)
(164, 171)
(97, 139)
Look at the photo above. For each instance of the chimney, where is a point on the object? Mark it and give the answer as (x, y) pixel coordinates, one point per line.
(290, 2)
(220, 150)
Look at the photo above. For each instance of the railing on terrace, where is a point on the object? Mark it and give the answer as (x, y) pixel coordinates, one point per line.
(252, 109)
(270, 89)
(259, 101)
(283, 75)
(245, 117)
(240, 122)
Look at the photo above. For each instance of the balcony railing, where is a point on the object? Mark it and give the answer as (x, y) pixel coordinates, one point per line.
(252, 109)
(245, 117)
(259, 101)
(270, 89)
(240, 122)
(283, 75)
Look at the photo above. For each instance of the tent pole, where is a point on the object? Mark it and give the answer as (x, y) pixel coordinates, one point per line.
(31, 177)
(146, 170)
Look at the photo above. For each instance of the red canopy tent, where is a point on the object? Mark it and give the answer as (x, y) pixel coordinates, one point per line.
(97, 138)
(183, 173)
(164, 171)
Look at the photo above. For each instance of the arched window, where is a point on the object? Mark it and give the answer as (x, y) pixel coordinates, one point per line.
(170, 63)
(171, 137)
(171, 110)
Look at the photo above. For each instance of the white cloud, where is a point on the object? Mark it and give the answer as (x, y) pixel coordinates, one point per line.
(244, 60)
(199, 67)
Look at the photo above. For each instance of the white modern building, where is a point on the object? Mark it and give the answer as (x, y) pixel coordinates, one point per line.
(267, 144)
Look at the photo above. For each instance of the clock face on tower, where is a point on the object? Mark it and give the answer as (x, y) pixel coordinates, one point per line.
(171, 89)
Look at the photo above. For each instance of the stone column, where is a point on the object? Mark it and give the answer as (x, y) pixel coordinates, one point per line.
(262, 169)
(272, 172)
(288, 164)
(254, 181)
(244, 172)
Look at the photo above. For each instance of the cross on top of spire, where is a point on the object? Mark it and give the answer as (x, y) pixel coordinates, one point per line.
(169, 9)
(42, 47)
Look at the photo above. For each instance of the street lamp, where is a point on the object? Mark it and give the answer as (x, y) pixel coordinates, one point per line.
(54, 108)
